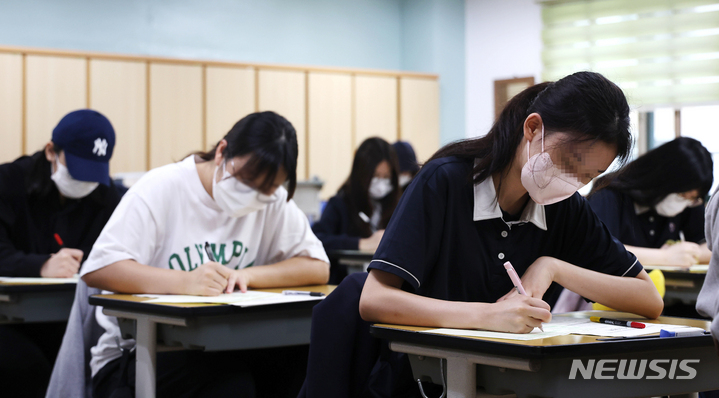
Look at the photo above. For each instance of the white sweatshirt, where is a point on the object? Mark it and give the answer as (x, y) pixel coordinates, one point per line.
(164, 221)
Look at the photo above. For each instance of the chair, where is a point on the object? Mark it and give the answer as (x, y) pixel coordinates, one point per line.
(71, 376)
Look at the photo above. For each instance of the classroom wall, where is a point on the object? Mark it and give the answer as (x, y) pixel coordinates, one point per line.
(503, 41)
(378, 34)
(433, 41)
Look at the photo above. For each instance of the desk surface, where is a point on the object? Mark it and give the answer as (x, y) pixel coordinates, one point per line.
(128, 302)
(41, 302)
(558, 346)
(9, 287)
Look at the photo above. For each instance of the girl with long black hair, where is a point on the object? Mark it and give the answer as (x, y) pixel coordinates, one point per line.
(355, 218)
(511, 196)
(231, 197)
(656, 199)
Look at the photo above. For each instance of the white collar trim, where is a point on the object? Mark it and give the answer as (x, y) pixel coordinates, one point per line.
(487, 208)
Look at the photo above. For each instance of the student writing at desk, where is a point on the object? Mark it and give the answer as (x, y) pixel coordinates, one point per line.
(511, 196)
(654, 206)
(658, 198)
(53, 205)
(232, 197)
(356, 217)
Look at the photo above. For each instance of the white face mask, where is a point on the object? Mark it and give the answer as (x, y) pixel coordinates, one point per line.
(235, 198)
(379, 188)
(68, 186)
(544, 182)
(404, 180)
(672, 205)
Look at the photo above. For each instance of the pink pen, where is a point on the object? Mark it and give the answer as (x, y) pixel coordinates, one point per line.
(516, 281)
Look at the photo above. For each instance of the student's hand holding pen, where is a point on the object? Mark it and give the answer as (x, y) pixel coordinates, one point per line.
(209, 279)
(683, 254)
(63, 264)
(520, 314)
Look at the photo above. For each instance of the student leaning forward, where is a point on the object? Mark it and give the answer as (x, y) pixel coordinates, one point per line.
(231, 197)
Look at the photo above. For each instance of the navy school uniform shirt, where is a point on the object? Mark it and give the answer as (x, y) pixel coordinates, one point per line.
(642, 226)
(31, 213)
(334, 225)
(448, 238)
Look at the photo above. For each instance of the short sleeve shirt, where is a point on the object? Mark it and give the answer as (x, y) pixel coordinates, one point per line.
(439, 246)
(647, 228)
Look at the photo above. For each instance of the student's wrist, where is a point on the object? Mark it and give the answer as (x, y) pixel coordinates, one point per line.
(556, 269)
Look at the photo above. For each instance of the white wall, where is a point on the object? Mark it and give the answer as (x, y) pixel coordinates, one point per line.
(503, 40)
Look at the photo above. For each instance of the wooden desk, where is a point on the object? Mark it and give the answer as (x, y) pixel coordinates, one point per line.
(682, 284)
(541, 368)
(211, 327)
(354, 260)
(42, 302)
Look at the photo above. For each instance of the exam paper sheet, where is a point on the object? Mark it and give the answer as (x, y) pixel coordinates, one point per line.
(249, 299)
(562, 326)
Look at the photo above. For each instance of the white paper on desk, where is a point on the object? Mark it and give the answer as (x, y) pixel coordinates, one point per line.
(534, 335)
(38, 281)
(604, 330)
(276, 299)
(562, 326)
(221, 299)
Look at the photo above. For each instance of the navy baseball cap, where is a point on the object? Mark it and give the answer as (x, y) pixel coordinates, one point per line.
(406, 157)
(87, 138)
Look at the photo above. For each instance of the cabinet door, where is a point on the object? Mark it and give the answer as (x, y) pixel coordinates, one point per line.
(10, 107)
(330, 129)
(375, 108)
(55, 86)
(284, 93)
(230, 96)
(419, 115)
(118, 90)
(175, 112)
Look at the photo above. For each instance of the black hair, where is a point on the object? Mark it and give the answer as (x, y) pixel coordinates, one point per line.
(271, 141)
(680, 165)
(585, 105)
(355, 190)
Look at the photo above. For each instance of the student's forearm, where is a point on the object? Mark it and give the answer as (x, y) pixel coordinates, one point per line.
(649, 256)
(636, 295)
(388, 304)
(705, 255)
(129, 276)
(296, 271)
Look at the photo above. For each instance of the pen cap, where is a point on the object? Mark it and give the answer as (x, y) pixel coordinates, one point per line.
(508, 265)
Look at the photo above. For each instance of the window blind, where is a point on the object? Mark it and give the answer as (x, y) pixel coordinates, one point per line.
(660, 52)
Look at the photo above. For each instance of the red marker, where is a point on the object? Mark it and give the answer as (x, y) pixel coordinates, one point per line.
(629, 324)
(58, 239)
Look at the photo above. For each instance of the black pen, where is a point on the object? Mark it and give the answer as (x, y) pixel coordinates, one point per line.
(302, 293)
(210, 256)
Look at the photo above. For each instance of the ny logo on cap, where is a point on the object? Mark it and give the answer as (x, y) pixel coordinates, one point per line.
(100, 147)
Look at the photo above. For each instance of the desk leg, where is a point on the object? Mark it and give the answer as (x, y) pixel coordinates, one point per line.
(146, 359)
(461, 378)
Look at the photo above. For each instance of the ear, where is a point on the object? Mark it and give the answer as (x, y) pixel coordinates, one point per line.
(532, 126)
(218, 151)
(50, 154)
